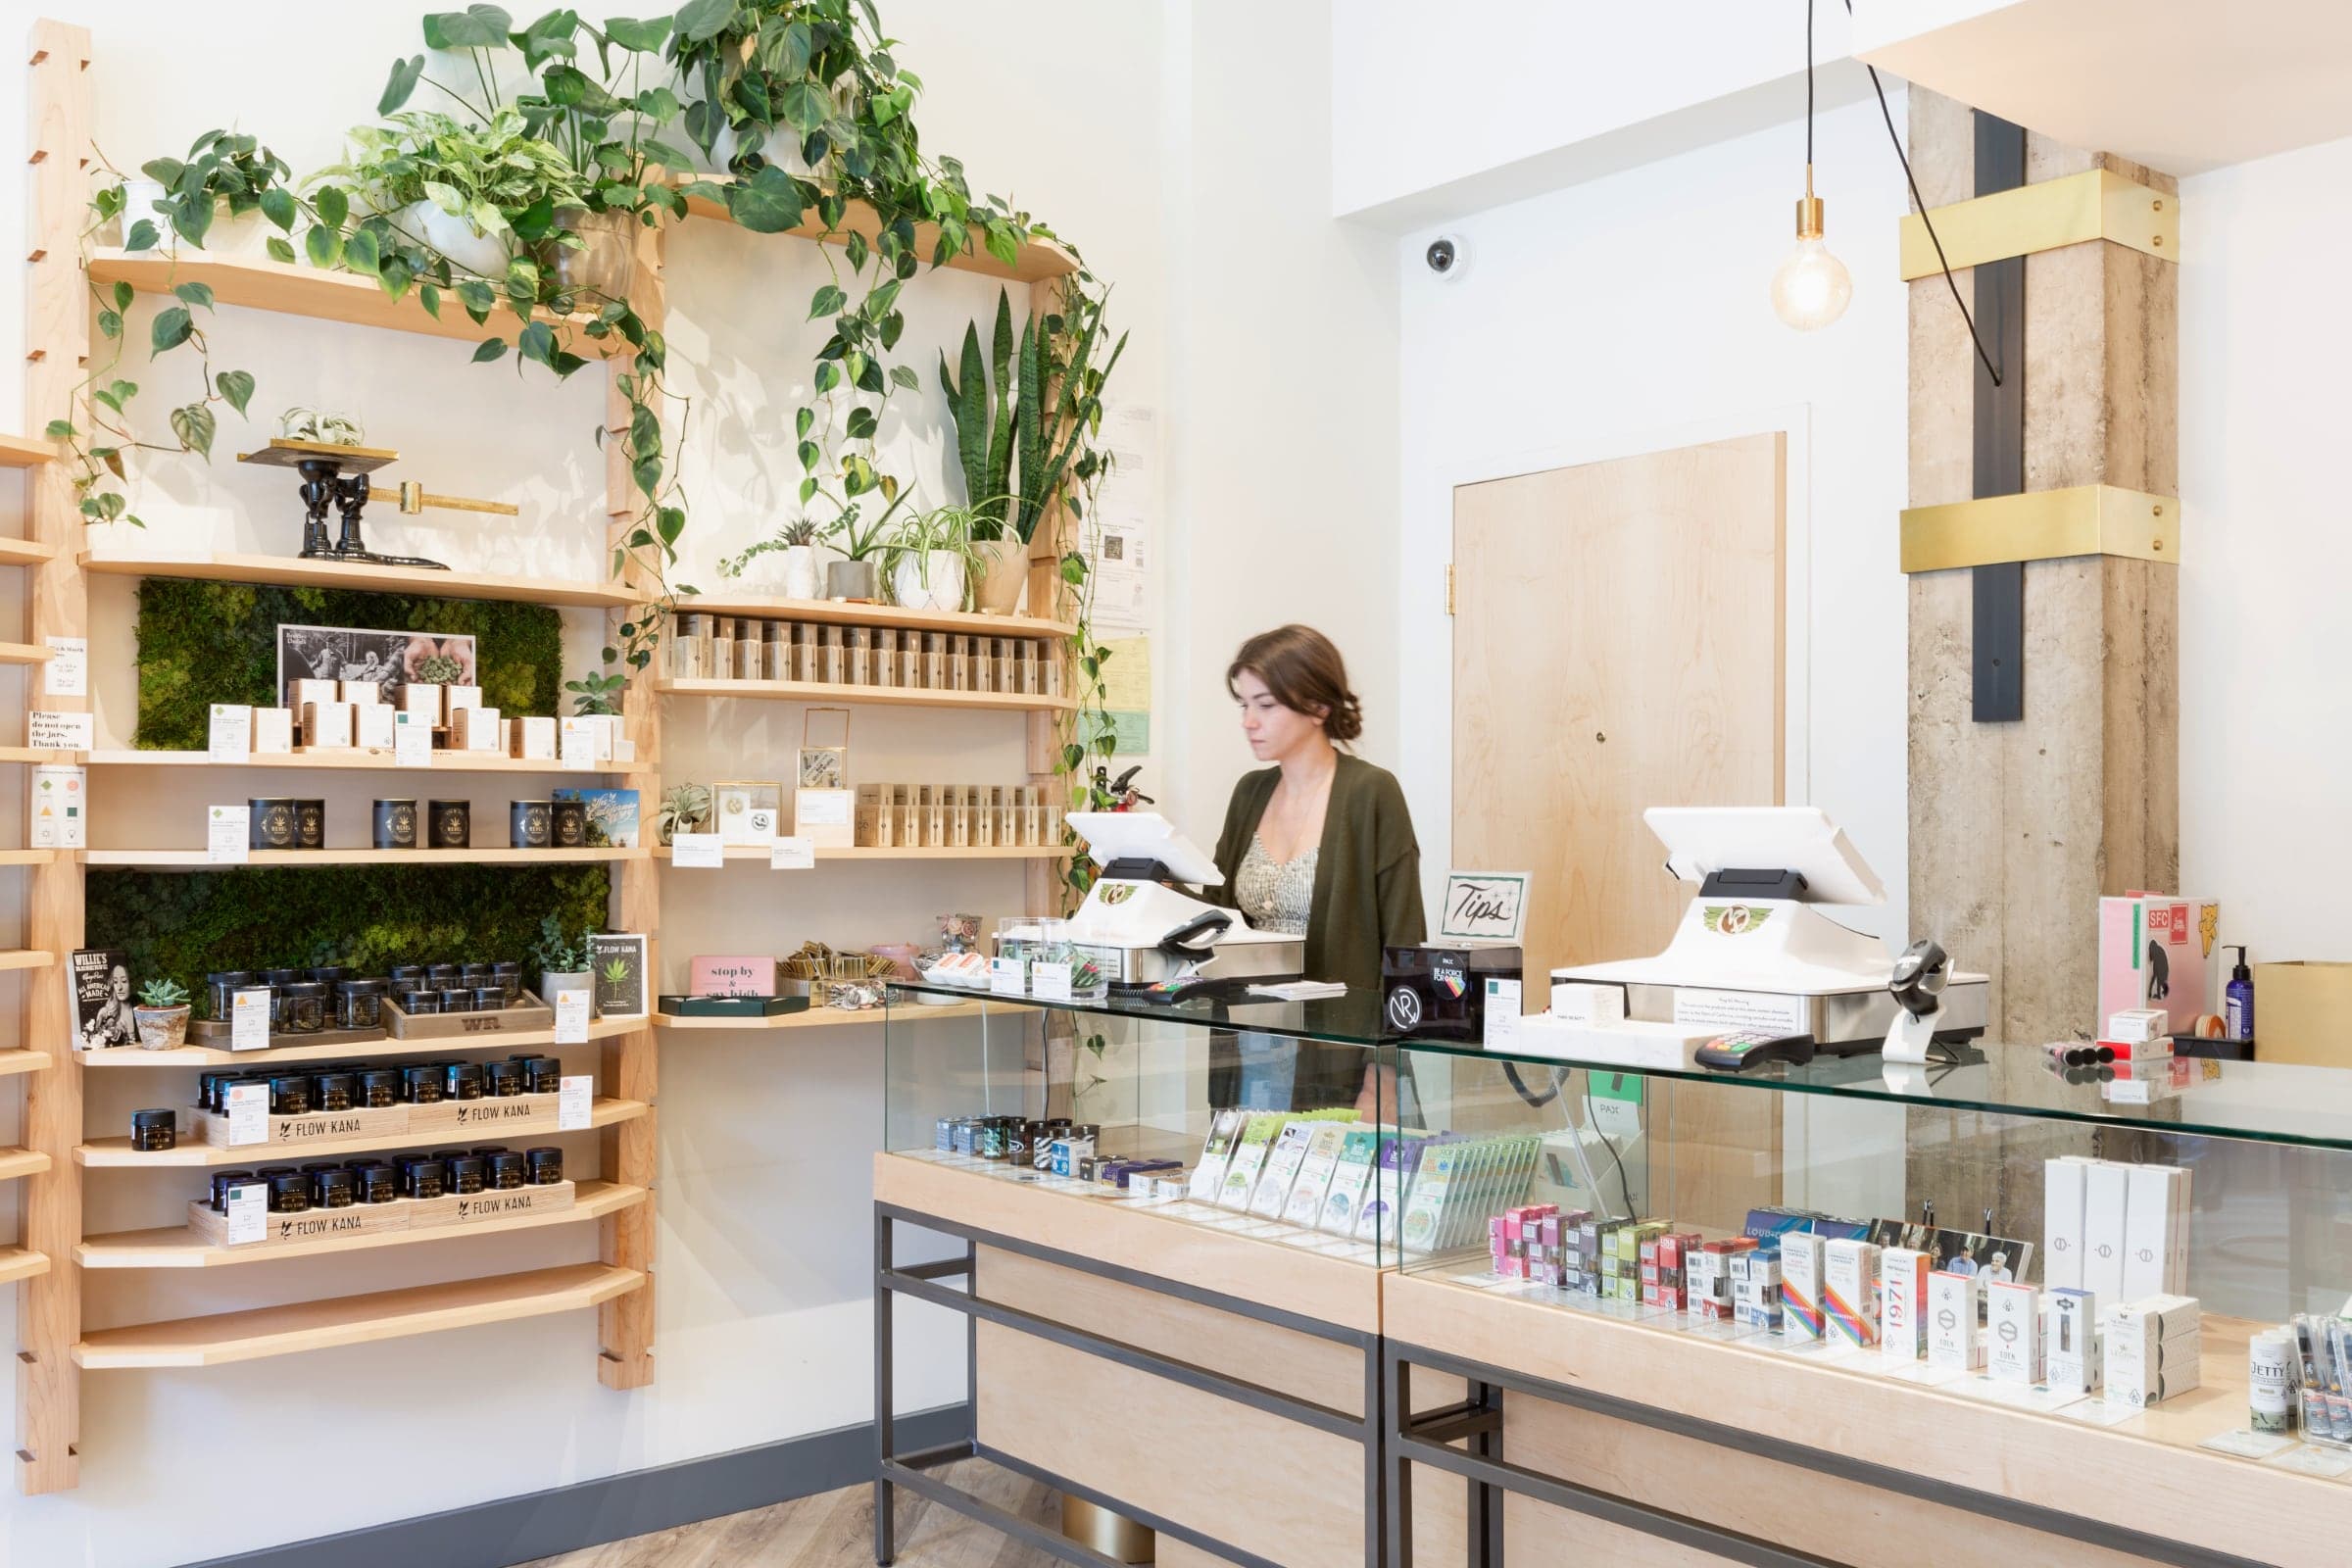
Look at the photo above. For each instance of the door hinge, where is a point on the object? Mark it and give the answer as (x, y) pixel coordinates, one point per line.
(1449, 587)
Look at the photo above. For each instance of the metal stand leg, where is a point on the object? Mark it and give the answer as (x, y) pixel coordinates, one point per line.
(1485, 1502)
(1395, 1398)
(885, 1520)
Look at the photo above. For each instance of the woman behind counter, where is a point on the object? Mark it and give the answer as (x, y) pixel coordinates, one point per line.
(1320, 844)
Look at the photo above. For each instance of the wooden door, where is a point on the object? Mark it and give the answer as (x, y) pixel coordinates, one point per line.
(1617, 645)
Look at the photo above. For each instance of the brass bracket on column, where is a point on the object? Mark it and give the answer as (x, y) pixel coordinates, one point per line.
(2097, 204)
(2087, 519)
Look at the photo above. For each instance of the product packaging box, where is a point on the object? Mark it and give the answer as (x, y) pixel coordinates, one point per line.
(1955, 1302)
(2072, 1355)
(2139, 1025)
(2013, 1332)
(457, 696)
(2061, 1221)
(473, 729)
(2149, 1213)
(423, 700)
(326, 724)
(359, 693)
(2300, 1012)
(535, 738)
(273, 731)
(1800, 1284)
(1903, 1303)
(1756, 1289)
(372, 725)
(2105, 1186)
(1850, 1290)
(1576, 1002)
(306, 691)
(2157, 951)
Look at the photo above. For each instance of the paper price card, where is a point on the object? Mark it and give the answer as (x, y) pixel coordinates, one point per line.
(231, 738)
(61, 732)
(1005, 977)
(575, 744)
(572, 1017)
(703, 850)
(1049, 982)
(68, 672)
(412, 745)
(792, 854)
(248, 1212)
(577, 1094)
(226, 830)
(1505, 998)
(249, 1019)
(248, 1114)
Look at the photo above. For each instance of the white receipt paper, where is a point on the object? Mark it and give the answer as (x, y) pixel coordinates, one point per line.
(574, 1098)
(572, 1017)
(792, 854)
(224, 834)
(706, 851)
(248, 1114)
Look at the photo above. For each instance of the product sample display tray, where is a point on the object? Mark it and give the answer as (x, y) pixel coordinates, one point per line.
(528, 1015)
(447, 1212)
(217, 1033)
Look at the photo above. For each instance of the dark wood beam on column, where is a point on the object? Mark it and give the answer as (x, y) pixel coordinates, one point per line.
(1997, 619)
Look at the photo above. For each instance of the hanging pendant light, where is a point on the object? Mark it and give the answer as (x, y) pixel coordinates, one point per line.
(1812, 288)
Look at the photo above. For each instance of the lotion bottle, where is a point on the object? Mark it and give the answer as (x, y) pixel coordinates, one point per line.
(2237, 1012)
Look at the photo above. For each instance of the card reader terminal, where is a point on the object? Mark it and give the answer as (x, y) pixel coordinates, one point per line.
(1751, 1049)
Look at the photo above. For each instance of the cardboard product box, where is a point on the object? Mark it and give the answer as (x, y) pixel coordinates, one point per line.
(1955, 1338)
(372, 726)
(328, 726)
(2071, 1356)
(1849, 1277)
(2300, 1011)
(473, 728)
(2150, 1210)
(2013, 1332)
(359, 693)
(308, 691)
(424, 700)
(2158, 950)
(534, 739)
(1903, 1303)
(2105, 1186)
(273, 731)
(458, 697)
(1575, 1001)
(2061, 1181)
(1800, 1284)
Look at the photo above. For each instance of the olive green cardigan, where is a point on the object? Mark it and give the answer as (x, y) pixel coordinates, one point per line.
(1367, 895)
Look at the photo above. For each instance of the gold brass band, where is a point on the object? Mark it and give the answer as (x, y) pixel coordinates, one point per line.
(2094, 205)
(2091, 519)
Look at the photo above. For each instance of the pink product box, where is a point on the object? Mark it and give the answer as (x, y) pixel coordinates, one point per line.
(2158, 951)
(751, 975)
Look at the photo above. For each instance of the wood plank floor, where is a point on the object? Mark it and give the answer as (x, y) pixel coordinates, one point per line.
(836, 1530)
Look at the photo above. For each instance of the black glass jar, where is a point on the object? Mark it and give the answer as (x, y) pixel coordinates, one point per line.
(542, 1075)
(328, 974)
(310, 824)
(379, 1088)
(152, 1130)
(464, 1080)
(305, 1007)
(404, 973)
(270, 823)
(546, 1165)
(335, 1090)
(223, 1181)
(489, 999)
(422, 1176)
(335, 1189)
(474, 976)
(359, 1003)
(568, 824)
(441, 976)
(528, 824)
(468, 1174)
(502, 1080)
(290, 1094)
(508, 1170)
(378, 1184)
(457, 999)
(449, 824)
(508, 977)
(422, 1086)
(393, 824)
(271, 1173)
(417, 1002)
(221, 989)
(274, 978)
(290, 1193)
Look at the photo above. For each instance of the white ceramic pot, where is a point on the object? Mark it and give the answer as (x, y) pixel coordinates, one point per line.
(931, 580)
(802, 579)
(1003, 574)
(246, 235)
(484, 255)
(553, 981)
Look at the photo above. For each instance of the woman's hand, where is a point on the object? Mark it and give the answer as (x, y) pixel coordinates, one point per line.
(1378, 1096)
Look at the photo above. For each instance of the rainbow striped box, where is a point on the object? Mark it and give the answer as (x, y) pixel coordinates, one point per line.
(1849, 1290)
(1800, 1284)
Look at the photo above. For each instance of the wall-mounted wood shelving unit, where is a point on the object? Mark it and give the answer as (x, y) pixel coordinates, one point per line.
(831, 695)
(278, 1054)
(17, 1058)
(758, 853)
(836, 1018)
(1041, 261)
(295, 289)
(16, 1163)
(21, 1263)
(359, 759)
(494, 854)
(25, 553)
(292, 571)
(23, 654)
(116, 1153)
(848, 612)
(25, 452)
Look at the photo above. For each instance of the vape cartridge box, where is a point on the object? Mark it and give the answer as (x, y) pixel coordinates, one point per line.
(1955, 1302)
(2148, 1214)
(1800, 1283)
(2013, 1332)
(2105, 1186)
(1903, 1303)
(2061, 1221)
(1849, 1278)
(2072, 1358)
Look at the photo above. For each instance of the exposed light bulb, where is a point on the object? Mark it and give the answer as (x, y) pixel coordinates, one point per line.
(1812, 288)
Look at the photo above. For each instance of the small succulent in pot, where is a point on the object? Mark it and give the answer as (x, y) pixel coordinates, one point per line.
(564, 960)
(162, 1015)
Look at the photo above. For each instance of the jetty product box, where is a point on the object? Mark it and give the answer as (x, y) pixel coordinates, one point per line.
(1955, 1303)
(2013, 1332)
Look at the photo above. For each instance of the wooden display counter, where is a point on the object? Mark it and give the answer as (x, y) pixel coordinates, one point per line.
(1784, 1457)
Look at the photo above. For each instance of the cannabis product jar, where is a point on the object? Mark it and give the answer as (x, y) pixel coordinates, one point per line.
(569, 824)
(310, 824)
(508, 977)
(506, 1169)
(528, 824)
(449, 824)
(303, 1007)
(379, 1088)
(501, 1079)
(395, 824)
(270, 823)
(546, 1165)
(359, 1003)
(152, 1130)
(222, 987)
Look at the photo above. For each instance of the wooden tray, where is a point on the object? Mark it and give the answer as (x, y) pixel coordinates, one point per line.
(520, 1114)
(452, 1211)
(320, 1127)
(449, 1213)
(528, 1015)
(218, 1032)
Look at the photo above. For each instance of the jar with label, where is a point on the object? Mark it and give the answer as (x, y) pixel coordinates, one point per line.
(359, 1003)
(489, 999)
(468, 1173)
(393, 824)
(290, 1195)
(568, 824)
(502, 1080)
(419, 1002)
(379, 1088)
(457, 999)
(529, 824)
(421, 1177)
(378, 1184)
(546, 1165)
(154, 1131)
(270, 823)
(290, 1094)
(427, 1085)
(508, 1169)
(221, 988)
(508, 977)
(464, 1080)
(334, 1188)
(334, 1091)
(305, 1009)
(310, 824)
(449, 824)
(542, 1075)
(223, 1181)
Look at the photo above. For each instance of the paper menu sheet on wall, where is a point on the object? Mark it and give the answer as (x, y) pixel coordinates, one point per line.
(1119, 541)
(61, 732)
(61, 809)
(67, 671)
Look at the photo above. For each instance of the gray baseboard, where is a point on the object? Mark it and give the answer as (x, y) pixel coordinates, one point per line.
(591, 1513)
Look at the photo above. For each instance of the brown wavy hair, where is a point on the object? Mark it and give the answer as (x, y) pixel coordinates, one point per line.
(1307, 675)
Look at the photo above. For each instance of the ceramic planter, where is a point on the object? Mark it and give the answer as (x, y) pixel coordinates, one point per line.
(930, 580)
(1003, 574)
(852, 580)
(162, 1028)
(800, 579)
(455, 238)
(246, 234)
(554, 982)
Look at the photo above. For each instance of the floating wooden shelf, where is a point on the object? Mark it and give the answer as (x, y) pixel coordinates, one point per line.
(1037, 262)
(195, 860)
(758, 853)
(26, 754)
(22, 1060)
(21, 1263)
(25, 553)
(357, 760)
(213, 1056)
(117, 1152)
(25, 452)
(26, 857)
(25, 959)
(292, 571)
(355, 1319)
(841, 612)
(293, 289)
(835, 1018)
(816, 691)
(177, 1246)
(23, 654)
(16, 1163)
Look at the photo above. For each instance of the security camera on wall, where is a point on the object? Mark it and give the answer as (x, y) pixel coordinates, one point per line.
(1448, 255)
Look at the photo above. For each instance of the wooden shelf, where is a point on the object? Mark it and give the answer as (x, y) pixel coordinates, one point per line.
(355, 1319)
(25, 452)
(179, 1246)
(1037, 262)
(117, 1152)
(354, 761)
(261, 284)
(213, 1056)
(21, 1263)
(195, 860)
(23, 654)
(16, 1163)
(816, 691)
(841, 612)
(21, 1060)
(25, 959)
(758, 853)
(26, 857)
(26, 754)
(292, 571)
(25, 553)
(835, 1018)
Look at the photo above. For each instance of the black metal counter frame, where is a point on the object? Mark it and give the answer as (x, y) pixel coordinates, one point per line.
(912, 1470)
(1477, 1423)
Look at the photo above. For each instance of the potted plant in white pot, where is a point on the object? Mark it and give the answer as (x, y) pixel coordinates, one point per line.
(562, 960)
(457, 186)
(181, 200)
(856, 577)
(162, 1015)
(784, 564)
(931, 559)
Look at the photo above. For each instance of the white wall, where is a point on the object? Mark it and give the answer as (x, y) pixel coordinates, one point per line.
(1630, 314)
(763, 1328)
(2264, 710)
